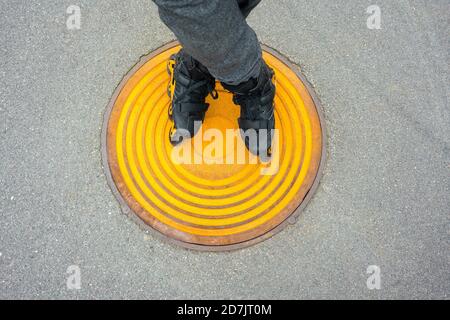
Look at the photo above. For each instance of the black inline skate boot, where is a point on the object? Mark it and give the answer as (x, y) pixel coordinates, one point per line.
(256, 99)
(190, 84)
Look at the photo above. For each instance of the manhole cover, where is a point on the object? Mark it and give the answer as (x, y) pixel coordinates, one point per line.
(214, 202)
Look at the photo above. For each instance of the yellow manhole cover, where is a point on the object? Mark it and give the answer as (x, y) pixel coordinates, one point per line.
(213, 201)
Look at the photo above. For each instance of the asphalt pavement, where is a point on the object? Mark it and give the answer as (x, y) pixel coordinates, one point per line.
(384, 199)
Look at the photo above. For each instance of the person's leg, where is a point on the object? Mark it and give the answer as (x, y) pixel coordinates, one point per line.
(217, 40)
(216, 34)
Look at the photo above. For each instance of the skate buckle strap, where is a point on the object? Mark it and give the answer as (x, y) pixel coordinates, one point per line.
(191, 107)
(253, 124)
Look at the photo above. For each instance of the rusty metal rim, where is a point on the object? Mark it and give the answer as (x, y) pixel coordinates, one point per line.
(127, 210)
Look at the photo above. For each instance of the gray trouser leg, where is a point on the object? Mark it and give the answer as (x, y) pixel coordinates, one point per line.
(215, 33)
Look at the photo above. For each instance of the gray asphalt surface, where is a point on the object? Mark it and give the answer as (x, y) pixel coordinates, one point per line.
(384, 199)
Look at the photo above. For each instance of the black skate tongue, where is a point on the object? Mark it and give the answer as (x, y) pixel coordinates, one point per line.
(195, 70)
(243, 88)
